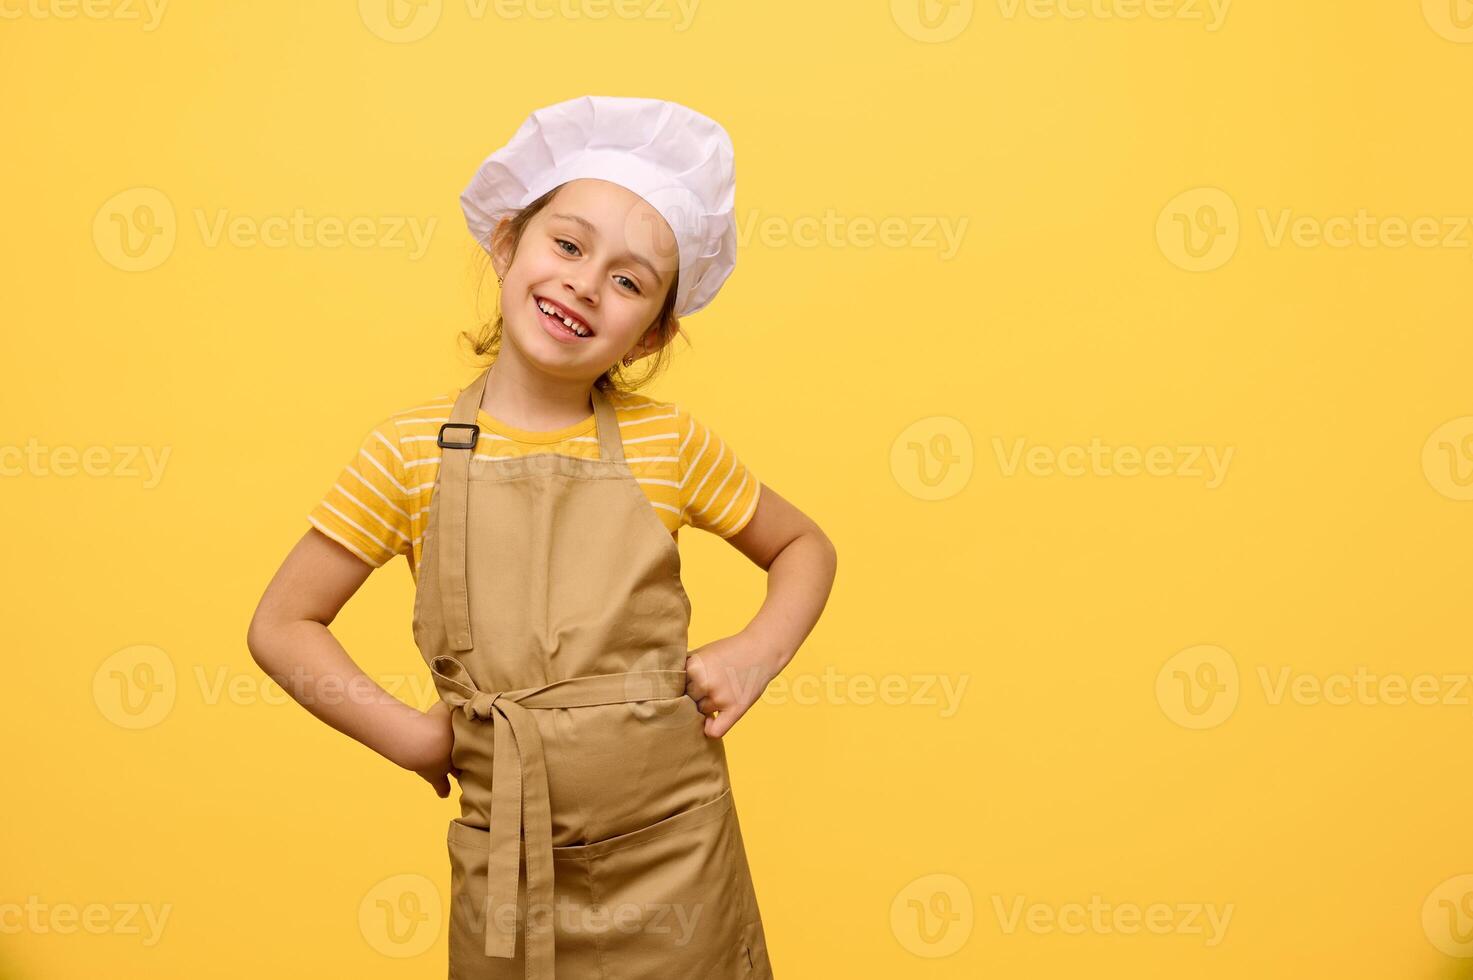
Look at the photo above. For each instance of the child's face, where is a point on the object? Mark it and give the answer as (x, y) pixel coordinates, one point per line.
(591, 268)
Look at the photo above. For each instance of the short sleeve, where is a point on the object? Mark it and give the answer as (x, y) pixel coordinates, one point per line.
(718, 493)
(367, 509)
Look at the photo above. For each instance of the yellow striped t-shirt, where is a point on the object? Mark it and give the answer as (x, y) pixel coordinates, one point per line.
(380, 504)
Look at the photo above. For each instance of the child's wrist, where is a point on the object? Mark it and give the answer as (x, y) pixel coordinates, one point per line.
(773, 651)
(411, 737)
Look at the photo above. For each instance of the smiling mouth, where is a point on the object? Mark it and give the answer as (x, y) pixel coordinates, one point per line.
(557, 320)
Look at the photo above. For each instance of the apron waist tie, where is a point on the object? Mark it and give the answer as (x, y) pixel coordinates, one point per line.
(519, 799)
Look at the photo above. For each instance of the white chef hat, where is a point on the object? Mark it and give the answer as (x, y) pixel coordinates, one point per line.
(678, 160)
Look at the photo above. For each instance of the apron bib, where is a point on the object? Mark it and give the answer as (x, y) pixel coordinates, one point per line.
(597, 836)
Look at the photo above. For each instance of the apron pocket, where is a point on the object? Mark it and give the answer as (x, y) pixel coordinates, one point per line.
(577, 953)
(671, 897)
(469, 847)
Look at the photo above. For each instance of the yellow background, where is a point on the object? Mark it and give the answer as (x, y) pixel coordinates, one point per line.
(1337, 540)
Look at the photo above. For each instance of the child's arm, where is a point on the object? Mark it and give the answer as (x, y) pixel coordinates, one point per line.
(290, 640)
(730, 674)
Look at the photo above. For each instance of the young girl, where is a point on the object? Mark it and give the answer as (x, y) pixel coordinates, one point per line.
(538, 508)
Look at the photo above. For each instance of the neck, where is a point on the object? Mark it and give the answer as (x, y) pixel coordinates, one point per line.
(527, 399)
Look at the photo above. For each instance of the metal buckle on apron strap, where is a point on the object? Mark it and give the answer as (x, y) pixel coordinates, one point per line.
(470, 443)
(452, 497)
(519, 787)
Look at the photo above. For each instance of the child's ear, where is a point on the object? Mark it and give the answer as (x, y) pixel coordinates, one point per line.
(501, 247)
(655, 337)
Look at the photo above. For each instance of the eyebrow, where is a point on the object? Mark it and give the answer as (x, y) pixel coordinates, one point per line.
(588, 226)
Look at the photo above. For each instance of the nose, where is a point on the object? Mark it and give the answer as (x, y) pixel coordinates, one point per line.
(577, 284)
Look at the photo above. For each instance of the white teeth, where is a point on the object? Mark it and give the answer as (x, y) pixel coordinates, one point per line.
(570, 324)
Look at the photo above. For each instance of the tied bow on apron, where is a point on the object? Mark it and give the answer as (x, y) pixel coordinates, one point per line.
(519, 798)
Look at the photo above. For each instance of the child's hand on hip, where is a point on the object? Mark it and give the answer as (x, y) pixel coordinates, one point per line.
(727, 675)
(428, 751)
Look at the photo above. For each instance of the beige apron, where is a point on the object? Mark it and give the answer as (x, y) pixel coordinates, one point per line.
(597, 835)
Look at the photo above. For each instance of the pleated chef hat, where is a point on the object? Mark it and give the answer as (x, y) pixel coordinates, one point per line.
(678, 160)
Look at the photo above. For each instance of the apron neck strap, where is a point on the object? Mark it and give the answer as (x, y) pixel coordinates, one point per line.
(453, 495)
(610, 442)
